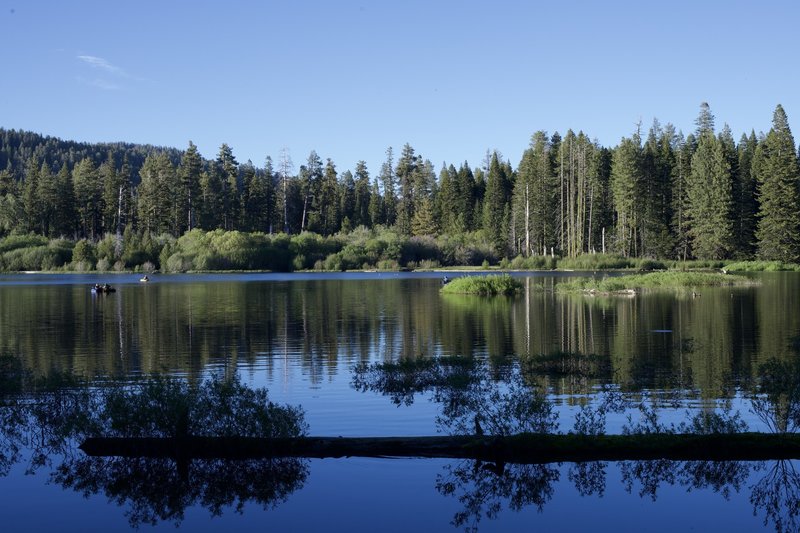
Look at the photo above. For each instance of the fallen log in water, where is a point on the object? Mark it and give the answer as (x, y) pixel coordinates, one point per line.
(523, 448)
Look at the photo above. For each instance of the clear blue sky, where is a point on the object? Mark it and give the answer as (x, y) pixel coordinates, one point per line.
(348, 79)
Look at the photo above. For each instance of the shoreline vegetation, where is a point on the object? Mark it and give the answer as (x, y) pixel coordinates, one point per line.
(360, 250)
(630, 285)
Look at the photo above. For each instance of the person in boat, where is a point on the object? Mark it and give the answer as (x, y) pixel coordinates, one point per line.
(445, 280)
(145, 278)
(106, 287)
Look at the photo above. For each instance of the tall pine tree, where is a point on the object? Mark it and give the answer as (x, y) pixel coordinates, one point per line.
(710, 194)
(776, 169)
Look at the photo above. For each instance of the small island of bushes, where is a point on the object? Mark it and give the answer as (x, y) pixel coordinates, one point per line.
(491, 285)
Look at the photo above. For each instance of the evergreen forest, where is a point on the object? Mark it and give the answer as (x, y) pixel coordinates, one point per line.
(657, 195)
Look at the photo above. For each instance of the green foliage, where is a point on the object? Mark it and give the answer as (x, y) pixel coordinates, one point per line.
(472, 400)
(13, 242)
(596, 262)
(762, 266)
(168, 407)
(654, 280)
(776, 169)
(84, 252)
(710, 200)
(534, 262)
(491, 285)
(402, 380)
(53, 255)
(668, 198)
(312, 247)
(776, 399)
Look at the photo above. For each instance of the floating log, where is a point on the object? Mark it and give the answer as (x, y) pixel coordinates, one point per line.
(523, 448)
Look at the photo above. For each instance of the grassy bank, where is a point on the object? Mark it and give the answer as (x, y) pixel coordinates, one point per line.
(654, 280)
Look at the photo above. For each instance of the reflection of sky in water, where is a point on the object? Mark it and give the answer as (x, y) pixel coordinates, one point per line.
(396, 495)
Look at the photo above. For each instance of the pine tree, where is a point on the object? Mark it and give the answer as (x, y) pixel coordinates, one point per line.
(211, 204)
(30, 196)
(155, 197)
(424, 222)
(328, 201)
(254, 199)
(376, 207)
(231, 195)
(685, 149)
(47, 192)
(450, 220)
(110, 179)
(347, 200)
(745, 199)
(310, 178)
(657, 162)
(710, 196)
(466, 199)
(388, 184)
(88, 198)
(778, 176)
(405, 172)
(496, 209)
(362, 196)
(626, 177)
(271, 219)
(11, 208)
(189, 173)
(66, 214)
(533, 198)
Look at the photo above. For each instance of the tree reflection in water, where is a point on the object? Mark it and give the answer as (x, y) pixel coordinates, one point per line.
(474, 398)
(506, 402)
(49, 419)
(48, 422)
(157, 490)
(481, 488)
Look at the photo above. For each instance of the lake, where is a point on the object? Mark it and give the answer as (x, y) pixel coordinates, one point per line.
(303, 335)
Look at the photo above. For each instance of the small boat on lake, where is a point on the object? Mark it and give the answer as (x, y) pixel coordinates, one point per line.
(144, 279)
(103, 289)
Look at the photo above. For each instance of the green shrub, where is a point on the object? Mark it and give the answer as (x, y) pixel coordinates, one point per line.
(654, 280)
(762, 266)
(650, 264)
(596, 262)
(483, 285)
(388, 264)
(83, 252)
(13, 242)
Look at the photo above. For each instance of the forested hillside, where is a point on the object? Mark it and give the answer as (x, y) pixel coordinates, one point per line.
(657, 194)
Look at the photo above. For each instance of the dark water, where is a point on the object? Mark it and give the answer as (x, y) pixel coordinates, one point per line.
(301, 336)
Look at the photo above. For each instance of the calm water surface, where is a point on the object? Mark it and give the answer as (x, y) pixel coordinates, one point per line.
(301, 336)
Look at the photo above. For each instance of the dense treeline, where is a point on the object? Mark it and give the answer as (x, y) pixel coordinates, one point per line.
(662, 195)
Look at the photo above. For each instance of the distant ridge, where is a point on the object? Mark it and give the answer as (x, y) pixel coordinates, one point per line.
(17, 147)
